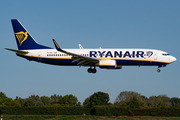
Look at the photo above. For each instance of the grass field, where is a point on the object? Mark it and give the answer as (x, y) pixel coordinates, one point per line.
(80, 117)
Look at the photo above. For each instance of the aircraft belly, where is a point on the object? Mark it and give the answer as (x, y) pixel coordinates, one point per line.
(65, 62)
(137, 63)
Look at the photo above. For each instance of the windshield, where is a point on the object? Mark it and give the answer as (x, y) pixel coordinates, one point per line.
(165, 54)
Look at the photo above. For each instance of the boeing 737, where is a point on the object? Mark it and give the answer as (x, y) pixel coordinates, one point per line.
(103, 58)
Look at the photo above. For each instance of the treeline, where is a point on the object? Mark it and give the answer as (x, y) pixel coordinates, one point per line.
(127, 103)
(125, 100)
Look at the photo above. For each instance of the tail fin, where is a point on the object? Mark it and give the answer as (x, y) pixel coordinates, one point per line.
(24, 40)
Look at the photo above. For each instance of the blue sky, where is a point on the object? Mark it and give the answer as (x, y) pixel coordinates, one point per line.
(103, 23)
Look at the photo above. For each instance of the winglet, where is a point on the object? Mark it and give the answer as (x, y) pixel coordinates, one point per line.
(56, 45)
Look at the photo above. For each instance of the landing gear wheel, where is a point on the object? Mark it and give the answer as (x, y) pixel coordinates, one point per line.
(94, 70)
(158, 70)
(89, 70)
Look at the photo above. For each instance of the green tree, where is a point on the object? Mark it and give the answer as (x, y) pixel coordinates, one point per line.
(135, 103)
(20, 100)
(37, 100)
(13, 103)
(29, 102)
(54, 99)
(159, 101)
(123, 99)
(144, 99)
(4, 100)
(178, 106)
(98, 98)
(69, 100)
(2, 95)
(174, 101)
(45, 100)
(86, 103)
(78, 104)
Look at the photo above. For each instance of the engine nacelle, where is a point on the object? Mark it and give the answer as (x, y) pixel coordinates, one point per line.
(108, 64)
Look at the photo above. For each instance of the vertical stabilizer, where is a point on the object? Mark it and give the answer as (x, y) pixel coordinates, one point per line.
(24, 40)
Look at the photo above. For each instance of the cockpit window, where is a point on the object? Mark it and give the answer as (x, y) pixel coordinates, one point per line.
(165, 54)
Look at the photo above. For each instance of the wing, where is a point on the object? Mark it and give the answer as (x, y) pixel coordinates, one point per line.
(82, 60)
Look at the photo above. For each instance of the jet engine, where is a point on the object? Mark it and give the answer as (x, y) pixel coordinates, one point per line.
(108, 64)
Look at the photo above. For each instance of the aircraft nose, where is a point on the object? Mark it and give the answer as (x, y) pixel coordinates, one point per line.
(173, 59)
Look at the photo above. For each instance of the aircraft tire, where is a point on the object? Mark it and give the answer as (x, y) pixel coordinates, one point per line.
(158, 70)
(89, 70)
(94, 70)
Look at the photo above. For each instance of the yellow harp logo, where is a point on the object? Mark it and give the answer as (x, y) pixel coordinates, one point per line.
(21, 36)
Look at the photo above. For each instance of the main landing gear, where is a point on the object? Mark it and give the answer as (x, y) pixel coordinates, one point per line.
(90, 70)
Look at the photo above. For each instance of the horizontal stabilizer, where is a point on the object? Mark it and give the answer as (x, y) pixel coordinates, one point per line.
(17, 51)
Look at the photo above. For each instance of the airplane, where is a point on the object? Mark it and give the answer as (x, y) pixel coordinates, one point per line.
(29, 49)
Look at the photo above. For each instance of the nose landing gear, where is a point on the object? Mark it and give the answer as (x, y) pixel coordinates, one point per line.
(158, 70)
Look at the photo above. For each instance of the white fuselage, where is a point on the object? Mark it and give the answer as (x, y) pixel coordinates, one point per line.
(122, 56)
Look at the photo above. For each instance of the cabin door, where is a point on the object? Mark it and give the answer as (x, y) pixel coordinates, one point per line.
(155, 55)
